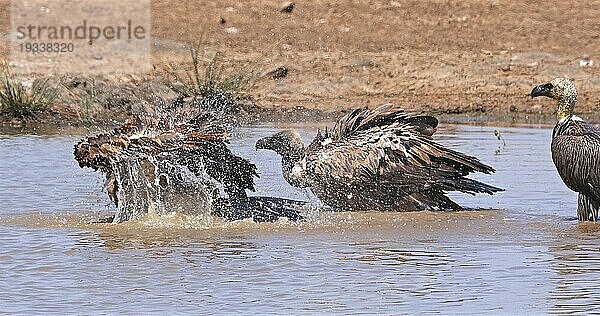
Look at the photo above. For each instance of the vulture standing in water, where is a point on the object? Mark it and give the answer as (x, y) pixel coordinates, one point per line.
(163, 165)
(575, 147)
(383, 159)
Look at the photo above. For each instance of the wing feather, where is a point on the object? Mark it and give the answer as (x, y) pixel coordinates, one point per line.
(576, 155)
(388, 145)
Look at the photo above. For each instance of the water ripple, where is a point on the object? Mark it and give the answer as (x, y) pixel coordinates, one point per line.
(525, 256)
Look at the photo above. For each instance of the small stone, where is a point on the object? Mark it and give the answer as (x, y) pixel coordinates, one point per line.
(287, 7)
(232, 30)
(280, 72)
(586, 62)
(344, 29)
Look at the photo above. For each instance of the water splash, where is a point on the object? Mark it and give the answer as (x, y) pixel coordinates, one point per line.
(159, 185)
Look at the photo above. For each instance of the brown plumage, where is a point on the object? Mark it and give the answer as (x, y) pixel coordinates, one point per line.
(381, 159)
(162, 151)
(575, 147)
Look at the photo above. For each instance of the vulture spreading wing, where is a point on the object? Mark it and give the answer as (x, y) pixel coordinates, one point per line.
(384, 159)
(165, 165)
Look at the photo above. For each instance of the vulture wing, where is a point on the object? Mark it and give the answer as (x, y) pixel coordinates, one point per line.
(389, 146)
(576, 155)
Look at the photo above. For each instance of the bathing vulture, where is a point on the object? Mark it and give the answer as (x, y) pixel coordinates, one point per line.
(382, 159)
(575, 147)
(161, 165)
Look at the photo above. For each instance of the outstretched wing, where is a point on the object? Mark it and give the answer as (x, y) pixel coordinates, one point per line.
(576, 155)
(364, 120)
(361, 120)
(390, 146)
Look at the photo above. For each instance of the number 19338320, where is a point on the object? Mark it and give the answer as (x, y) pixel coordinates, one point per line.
(46, 47)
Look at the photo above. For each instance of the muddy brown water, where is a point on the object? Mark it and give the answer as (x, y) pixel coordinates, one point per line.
(521, 251)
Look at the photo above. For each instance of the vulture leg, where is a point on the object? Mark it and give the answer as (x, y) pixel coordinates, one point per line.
(587, 208)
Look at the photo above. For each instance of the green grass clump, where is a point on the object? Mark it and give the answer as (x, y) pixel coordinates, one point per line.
(18, 102)
(207, 77)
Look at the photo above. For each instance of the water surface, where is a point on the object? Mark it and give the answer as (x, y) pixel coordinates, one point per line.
(521, 251)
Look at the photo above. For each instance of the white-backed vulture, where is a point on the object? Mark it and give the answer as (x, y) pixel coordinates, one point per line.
(381, 159)
(575, 147)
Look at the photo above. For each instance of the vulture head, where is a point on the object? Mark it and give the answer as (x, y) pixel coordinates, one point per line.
(287, 144)
(563, 91)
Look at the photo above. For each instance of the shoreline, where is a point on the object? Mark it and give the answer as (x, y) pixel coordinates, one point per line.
(297, 118)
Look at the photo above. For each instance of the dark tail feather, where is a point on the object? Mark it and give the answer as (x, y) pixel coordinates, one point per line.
(470, 186)
(463, 162)
(445, 203)
(434, 200)
(587, 208)
(258, 208)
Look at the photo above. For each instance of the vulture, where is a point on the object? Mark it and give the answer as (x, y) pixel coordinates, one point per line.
(575, 147)
(382, 159)
(162, 165)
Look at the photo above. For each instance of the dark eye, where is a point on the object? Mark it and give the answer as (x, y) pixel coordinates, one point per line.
(548, 86)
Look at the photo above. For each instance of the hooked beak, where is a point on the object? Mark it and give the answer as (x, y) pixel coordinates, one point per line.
(542, 90)
(261, 144)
